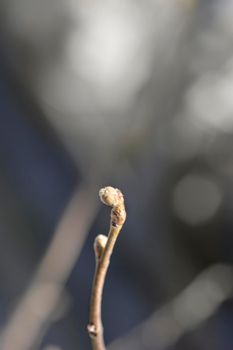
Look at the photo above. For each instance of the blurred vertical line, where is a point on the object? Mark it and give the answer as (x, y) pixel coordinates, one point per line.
(31, 316)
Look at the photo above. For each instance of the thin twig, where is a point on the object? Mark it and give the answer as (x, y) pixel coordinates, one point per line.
(103, 249)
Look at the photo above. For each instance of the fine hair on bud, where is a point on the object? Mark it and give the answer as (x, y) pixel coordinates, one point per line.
(111, 196)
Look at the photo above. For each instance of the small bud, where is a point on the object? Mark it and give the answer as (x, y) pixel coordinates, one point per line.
(111, 196)
(91, 328)
(99, 245)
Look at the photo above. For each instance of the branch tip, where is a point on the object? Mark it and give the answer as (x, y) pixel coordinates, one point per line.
(114, 198)
(103, 247)
(111, 196)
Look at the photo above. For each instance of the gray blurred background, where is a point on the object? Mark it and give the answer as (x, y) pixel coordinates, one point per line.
(134, 94)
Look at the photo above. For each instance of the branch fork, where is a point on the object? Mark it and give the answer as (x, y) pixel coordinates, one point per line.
(103, 247)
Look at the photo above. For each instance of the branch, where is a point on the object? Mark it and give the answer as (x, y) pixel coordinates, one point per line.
(103, 247)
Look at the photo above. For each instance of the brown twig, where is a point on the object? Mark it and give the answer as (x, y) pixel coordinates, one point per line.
(103, 247)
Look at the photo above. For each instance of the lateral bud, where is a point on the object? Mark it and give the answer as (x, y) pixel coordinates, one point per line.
(99, 245)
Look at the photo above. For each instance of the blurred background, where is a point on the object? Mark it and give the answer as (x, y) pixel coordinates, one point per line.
(137, 95)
